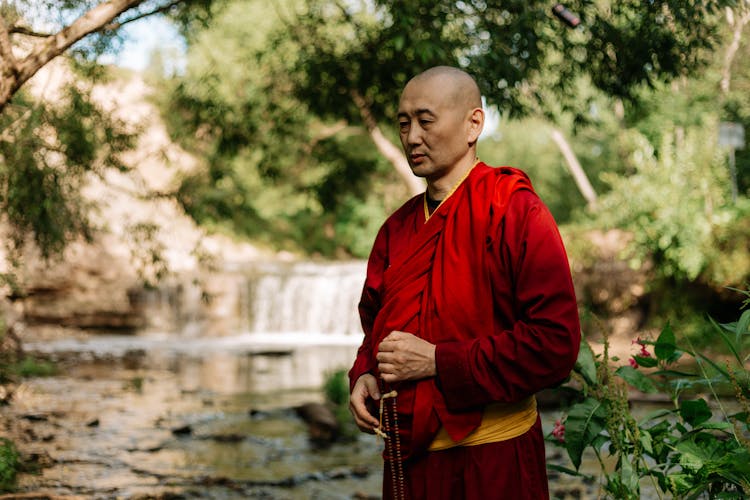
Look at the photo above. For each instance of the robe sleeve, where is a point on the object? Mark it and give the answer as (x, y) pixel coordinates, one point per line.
(531, 283)
(369, 305)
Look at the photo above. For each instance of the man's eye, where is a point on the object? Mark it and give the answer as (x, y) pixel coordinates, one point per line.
(403, 124)
(425, 122)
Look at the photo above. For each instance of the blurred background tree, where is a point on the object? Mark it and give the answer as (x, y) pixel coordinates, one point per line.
(342, 65)
(48, 148)
(290, 107)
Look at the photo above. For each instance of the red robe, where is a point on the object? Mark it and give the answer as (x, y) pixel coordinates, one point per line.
(487, 280)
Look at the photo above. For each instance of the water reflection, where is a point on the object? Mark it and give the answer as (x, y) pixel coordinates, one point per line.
(183, 429)
(241, 364)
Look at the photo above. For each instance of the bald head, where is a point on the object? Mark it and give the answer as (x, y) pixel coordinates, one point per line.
(440, 119)
(459, 87)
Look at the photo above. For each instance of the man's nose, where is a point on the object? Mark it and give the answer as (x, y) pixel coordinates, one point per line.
(414, 136)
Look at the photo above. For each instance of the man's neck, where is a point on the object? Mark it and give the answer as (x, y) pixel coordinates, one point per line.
(439, 189)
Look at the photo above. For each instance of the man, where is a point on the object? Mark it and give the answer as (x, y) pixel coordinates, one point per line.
(468, 310)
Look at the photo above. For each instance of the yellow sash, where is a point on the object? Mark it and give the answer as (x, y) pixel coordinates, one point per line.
(500, 422)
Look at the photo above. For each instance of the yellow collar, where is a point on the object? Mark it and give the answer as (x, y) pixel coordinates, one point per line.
(427, 213)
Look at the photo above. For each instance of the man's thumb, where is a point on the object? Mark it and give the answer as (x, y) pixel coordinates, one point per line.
(372, 388)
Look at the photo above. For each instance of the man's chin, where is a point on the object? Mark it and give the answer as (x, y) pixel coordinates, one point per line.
(420, 170)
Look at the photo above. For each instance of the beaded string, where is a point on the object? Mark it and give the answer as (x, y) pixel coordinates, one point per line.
(397, 466)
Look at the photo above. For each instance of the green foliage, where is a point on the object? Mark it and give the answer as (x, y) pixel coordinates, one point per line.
(527, 144)
(274, 172)
(46, 151)
(29, 367)
(697, 447)
(676, 205)
(48, 148)
(524, 59)
(9, 464)
(336, 392)
(336, 387)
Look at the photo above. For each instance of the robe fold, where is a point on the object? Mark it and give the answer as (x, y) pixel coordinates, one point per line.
(487, 280)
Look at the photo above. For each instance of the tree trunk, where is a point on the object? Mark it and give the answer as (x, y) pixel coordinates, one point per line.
(392, 153)
(17, 72)
(579, 176)
(738, 24)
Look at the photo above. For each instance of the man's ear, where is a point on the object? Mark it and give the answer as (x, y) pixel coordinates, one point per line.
(476, 124)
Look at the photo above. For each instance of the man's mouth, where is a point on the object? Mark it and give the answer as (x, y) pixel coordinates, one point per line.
(417, 158)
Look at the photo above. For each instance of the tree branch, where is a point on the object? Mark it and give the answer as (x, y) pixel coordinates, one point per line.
(6, 51)
(90, 22)
(8, 64)
(22, 30)
(160, 10)
(738, 26)
(579, 175)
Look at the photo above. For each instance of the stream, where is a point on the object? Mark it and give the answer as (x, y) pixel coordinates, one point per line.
(149, 427)
(150, 423)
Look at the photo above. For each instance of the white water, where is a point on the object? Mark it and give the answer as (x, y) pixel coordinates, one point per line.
(306, 298)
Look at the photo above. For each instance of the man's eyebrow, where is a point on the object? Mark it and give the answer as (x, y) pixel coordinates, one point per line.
(422, 111)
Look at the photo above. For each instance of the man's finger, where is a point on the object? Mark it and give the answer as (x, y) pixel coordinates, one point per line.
(362, 418)
(365, 421)
(372, 388)
(384, 368)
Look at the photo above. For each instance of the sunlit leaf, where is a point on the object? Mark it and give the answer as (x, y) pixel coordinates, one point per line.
(721, 426)
(645, 440)
(584, 423)
(585, 365)
(646, 362)
(728, 341)
(564, 470)
(743, 326)
(655, 415)
(665, 348)
(636, 379)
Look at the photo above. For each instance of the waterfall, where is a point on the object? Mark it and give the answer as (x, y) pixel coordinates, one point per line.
(305, 298)
(266, 300)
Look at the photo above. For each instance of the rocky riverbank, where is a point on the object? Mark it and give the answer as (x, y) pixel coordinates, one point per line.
(123, 428)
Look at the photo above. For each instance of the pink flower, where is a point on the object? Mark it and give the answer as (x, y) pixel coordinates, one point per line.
(633, 362)
(559, 431)
(644, 353)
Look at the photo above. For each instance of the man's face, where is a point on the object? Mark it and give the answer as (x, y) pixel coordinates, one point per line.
(434, 129)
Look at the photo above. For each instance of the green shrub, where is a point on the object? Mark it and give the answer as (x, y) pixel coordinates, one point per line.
(31, 367)
(336, 391)
(676, 203)
(691, 449)
(8, 465)
(336, 387)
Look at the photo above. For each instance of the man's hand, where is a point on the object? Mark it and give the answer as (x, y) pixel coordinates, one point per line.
(365, 388)
(403, 356)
